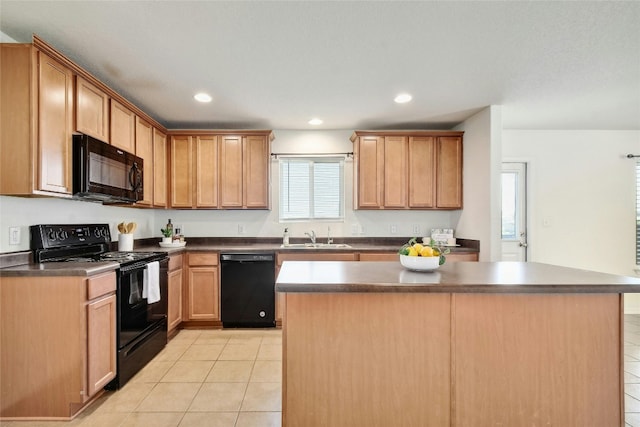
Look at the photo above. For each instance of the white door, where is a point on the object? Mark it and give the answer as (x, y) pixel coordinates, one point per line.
(514, 208)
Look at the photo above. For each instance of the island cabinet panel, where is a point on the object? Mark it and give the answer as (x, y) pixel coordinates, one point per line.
(282, 257)
(515, 365)
(206, 177)
(144, 150)
(407, 169)
(182, 170)
(387, 375)
(202, 288)
(92, 110)
(123, 123)
(160, 168)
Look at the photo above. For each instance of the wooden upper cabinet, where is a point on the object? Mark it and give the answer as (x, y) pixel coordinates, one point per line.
(370, 169)
(408, 169)
(160, 168)
(231, 171)
(55, 119)
(123, 123)
(422, 172)
(92, 110)
(395, 172)
(449, 172)
(206, 176)
(144, 150)
(256, 172)
(182, 171)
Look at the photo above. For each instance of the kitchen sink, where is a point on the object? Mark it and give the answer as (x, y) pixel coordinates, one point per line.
(316, 246)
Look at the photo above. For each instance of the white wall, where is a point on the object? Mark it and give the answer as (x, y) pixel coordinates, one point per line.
(480, 218)
(581, 198)
(22, 212)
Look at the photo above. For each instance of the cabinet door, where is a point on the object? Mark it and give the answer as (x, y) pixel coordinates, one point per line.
(159, 169)
(449, 173)
(55, 118)
(370, 172)
(379, 256)
(256, 172)
(203, 294)
(92, 110)
(181, 171)
(395, 172)
(101, 343)
(123, 123)
(422, 172)
(206, 171)
(144, 150)
(174, 311)
(231, 171)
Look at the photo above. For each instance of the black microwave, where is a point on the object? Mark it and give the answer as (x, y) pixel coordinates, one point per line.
(104, 173)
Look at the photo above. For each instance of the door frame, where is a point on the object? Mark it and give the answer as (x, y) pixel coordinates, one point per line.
(529, 202)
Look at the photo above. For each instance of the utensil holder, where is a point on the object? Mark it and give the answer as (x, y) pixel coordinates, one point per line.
(125, 242)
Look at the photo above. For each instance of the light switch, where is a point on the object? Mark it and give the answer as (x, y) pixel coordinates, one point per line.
(14, 235)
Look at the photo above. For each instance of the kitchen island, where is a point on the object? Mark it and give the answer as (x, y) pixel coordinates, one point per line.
(470, 344)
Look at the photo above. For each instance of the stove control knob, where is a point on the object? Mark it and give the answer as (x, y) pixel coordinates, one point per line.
(51, 235)
(62, 235)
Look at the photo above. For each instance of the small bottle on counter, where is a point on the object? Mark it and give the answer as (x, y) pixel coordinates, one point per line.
(169, 228)
(285, 237)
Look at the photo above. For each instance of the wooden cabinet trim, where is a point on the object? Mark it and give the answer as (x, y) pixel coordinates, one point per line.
(196, 258)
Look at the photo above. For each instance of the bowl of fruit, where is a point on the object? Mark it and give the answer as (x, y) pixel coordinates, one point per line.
(422, 256)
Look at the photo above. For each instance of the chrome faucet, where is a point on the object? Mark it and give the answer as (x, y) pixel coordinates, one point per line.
(312, 236)
(329, 239)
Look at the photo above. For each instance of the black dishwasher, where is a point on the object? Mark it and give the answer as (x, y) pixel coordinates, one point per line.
(247, 290)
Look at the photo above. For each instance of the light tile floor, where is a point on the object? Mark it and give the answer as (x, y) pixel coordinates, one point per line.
(212, 378)
(232, 378)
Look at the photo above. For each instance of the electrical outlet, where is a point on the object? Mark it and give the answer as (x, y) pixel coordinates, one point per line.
(14, 235)
(355, 228)
(416, 230)
(393, 229)
(241, 229)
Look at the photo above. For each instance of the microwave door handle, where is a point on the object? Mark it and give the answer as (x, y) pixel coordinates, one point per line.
(135, 177)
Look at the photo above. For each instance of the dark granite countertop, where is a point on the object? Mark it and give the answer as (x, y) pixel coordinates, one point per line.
(454, 277)
(21, 264)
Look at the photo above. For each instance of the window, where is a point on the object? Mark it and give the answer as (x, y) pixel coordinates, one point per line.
(311, 188)
(637, 213)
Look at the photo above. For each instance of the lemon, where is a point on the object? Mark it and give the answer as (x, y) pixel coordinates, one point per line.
(418, 247)
(426, 251)
(412, 251)
(436, 252)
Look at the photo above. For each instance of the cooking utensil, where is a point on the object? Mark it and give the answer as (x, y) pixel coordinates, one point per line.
(121, 228)
(132, 227)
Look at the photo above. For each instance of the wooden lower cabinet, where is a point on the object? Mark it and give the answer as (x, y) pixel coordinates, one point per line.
(174, 306)
(58, 339)
(202, 288)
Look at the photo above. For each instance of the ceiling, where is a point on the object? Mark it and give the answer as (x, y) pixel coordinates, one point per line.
(275, 65)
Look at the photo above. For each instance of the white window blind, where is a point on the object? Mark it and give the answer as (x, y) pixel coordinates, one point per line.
(311, 188)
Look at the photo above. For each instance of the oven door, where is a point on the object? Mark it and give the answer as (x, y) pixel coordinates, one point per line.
(136, 317)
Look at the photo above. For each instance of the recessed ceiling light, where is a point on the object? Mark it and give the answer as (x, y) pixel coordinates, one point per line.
(402, 98)
(202, 97)
(315, 122)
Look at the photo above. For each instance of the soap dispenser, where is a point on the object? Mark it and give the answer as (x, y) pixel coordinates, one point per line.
(285, 237)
